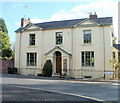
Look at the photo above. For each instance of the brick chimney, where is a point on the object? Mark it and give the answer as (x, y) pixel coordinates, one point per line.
(93, 16)
(24, 22)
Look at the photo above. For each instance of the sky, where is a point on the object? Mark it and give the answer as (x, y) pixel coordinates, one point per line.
(53, 10)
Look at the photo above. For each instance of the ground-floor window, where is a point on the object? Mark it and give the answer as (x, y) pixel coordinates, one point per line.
(87, 58)
(31, 59)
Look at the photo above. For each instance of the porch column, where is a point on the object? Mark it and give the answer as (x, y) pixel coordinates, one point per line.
(68, 66)
(62, 72)
(65, 65)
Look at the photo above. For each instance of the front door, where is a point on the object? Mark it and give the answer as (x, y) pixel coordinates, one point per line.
(58, 62)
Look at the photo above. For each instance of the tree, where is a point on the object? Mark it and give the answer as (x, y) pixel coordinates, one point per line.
(13, 49)
(5, 50)
(3, 26)
(47, 69)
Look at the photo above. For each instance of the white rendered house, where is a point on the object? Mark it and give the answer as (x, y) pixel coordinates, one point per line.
(79, 48)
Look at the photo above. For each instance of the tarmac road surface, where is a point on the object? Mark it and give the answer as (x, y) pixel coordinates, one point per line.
(58, 90)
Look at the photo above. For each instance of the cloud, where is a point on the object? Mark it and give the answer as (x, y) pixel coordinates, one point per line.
(104, 8)
(15, 5)
(82, 1)
(33, 20)
(17, 24)
(36, 20)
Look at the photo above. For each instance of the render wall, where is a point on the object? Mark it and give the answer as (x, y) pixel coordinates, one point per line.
(102, 53)
(45, 41)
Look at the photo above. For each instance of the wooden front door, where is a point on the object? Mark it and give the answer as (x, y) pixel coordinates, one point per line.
(58, 62)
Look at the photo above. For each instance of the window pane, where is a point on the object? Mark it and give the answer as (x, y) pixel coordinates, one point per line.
(59, 38)
(82, 58)
(87, 36)
(27, 59)
(32, 39)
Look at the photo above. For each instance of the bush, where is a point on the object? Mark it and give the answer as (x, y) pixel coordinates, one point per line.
(12, 70)
(47, 69)
(39, 74)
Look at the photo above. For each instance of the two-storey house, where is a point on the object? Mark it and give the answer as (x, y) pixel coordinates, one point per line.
(79, 48)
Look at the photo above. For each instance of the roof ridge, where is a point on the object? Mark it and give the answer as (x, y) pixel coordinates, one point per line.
(59, 21)
(70, 20)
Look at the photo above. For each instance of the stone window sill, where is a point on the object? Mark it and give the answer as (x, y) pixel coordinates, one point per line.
(87, 44)
(31, 47)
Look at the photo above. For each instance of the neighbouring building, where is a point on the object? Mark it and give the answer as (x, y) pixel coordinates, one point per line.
(116, 53)
(79, 48)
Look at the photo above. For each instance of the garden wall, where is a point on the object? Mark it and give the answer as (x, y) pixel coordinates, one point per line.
(5, 64)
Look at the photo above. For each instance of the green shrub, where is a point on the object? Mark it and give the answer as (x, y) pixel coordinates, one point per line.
(12, 70)
(39, 74)
(47, 69)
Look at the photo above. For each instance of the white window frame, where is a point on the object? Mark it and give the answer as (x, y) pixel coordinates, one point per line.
(56, 34)
(28, 59)
(87, 32)
(92, 59)
(30, 44)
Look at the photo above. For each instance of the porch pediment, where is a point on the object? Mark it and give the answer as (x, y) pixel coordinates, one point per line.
(57, 48)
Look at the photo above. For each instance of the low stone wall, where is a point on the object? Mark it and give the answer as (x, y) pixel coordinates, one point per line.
(5, 64)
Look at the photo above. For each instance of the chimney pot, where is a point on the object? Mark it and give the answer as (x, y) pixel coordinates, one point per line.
(93, 16)
(29, 22)
(24, 22)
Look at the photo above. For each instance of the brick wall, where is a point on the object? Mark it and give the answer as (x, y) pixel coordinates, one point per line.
(5, 64)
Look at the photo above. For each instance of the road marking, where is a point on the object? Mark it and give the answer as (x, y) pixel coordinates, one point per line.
(88, 82)
(96, 99)
(116, 83)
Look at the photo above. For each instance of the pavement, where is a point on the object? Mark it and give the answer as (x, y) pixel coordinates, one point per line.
(60, 78)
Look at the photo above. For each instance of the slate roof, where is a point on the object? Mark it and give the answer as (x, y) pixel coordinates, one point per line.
(117, 46)
(69, 23)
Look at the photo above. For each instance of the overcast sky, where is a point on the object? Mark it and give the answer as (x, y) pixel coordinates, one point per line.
(39, 11)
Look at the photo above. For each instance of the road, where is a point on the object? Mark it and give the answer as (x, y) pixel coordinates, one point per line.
(57, 90)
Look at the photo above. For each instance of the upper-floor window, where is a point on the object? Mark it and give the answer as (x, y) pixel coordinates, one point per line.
(59, 38)
(87, 58)
(87, 36)
(31, 59)
(31, 39)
